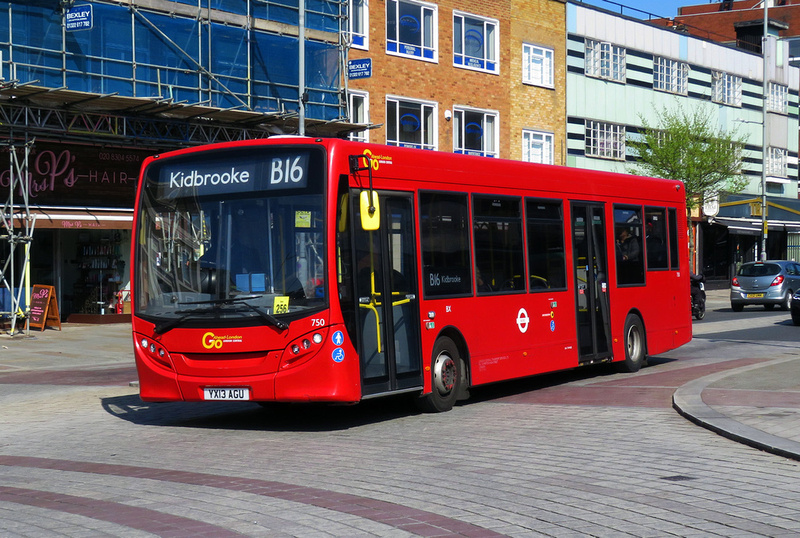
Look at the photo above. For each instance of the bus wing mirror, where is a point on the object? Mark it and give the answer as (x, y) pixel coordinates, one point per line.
(370, 212)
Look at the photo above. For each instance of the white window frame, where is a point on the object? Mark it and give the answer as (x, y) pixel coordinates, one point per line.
(670, 75)
(778, 98)
(489, 127)
(538, 65)
(726, 88)
(777, 162)
(604, 60)
(428, 48)
(488, 61)
(605, 140)
(538, 146)
(358, 26)
(352, 98)
(429, 135)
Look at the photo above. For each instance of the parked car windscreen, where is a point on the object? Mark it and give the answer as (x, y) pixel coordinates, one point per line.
(760, 269)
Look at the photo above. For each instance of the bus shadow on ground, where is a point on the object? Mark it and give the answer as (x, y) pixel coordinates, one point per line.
(300, 417)
(597, 372)
(311, 417)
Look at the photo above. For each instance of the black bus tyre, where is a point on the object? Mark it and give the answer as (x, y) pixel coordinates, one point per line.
(446, 377)
(634, 341)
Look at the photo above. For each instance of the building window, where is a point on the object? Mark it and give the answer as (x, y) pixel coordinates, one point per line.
(605, 60)
(726, 88)
(359, 113)
(537, 147)
(410, 124)
(777, 162)
(671, 76)
(537, 65)
(475, 132)
(475, 42)
(778, 98)
(605, 140)
(411, 29)
(359, 24)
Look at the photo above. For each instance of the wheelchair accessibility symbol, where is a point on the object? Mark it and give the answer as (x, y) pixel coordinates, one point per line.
(338, 355)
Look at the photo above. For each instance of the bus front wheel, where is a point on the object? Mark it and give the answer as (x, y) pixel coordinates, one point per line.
(446, 377)
(635, 353)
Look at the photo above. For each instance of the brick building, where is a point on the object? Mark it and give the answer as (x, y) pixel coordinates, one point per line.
(483, 78)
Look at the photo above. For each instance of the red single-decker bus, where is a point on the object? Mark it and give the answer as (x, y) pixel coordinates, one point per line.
(297, 269)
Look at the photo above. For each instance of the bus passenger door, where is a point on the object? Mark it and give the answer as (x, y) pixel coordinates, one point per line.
(386, 284)
(591, 279)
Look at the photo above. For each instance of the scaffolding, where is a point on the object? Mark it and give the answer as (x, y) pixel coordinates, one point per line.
(16, 231)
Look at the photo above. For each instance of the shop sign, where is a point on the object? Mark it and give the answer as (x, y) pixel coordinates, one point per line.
(79, 18)
(359, 68)
(756, 209)
(86, 176)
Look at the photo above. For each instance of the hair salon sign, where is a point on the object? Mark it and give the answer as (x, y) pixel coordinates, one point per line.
(70, 175)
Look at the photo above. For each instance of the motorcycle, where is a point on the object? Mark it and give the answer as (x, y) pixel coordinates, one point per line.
(698, 290)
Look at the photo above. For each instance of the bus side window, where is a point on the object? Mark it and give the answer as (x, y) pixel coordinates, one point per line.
(444, 237)
(547, 266)
(628, 245)
(655, 225)
(497, 226)
(674, 264)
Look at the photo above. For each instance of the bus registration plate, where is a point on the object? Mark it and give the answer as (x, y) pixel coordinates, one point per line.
(226, 393)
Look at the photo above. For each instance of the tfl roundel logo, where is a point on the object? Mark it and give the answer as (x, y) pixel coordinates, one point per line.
(523, 320)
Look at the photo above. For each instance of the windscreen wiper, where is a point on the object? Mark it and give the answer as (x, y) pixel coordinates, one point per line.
(161, 328)
(268, 317)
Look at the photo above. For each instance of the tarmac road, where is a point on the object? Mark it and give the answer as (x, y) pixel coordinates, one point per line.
(584, 453)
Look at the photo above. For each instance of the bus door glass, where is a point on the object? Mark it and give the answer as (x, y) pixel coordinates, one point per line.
(591, 277)
(386, 284)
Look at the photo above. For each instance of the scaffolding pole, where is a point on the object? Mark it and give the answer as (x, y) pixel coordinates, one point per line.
(16, 229)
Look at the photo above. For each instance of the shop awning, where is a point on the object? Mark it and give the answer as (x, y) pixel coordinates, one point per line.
(69, 218)
(742, 226)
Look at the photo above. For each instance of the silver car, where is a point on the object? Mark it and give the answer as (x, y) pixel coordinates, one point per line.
(766, 283)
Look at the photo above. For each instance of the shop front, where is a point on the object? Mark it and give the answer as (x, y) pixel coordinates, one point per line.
(734, 234)
(82, 197)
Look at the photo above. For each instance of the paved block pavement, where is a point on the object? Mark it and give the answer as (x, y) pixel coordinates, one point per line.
(577, 465)
(756, 404)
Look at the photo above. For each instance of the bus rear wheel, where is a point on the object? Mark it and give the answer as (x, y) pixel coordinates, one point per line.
(634, 345)
(446, 378)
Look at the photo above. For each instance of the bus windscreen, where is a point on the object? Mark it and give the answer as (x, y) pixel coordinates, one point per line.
(231, 236)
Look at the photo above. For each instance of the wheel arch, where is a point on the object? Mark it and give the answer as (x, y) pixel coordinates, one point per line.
(460, 341)
(638, 313)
